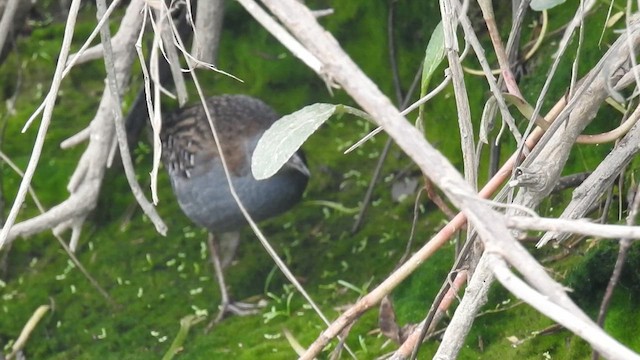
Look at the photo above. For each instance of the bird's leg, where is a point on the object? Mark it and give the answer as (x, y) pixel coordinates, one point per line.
(227, 246)
(217, 267)
(226, 306)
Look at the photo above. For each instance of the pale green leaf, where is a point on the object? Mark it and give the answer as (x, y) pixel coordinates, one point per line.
(433, 56)
(285, 137)
(539, 5)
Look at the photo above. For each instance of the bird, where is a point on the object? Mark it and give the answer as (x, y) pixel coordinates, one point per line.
(200, 184)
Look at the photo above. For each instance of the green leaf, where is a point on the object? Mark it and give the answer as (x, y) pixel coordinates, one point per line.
(526, 109)
(433, 56)
(539, 5)
(285, 136)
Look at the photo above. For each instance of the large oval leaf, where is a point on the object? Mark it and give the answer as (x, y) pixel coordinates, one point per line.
(539, 5)
(285, 137)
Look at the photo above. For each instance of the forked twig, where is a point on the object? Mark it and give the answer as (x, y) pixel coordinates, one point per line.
(115, 91)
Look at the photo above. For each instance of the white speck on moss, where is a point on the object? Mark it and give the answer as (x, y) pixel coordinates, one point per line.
(272, 336)
(195, 291)
(199, 312)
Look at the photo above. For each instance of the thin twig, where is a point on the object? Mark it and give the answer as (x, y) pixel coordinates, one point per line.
(625, 245)
(10, 8)
(375, 177)
(471, 37)
(81, 136)
(562, 48)
(121, 134)
(283, 36)
(439, 306)
(582, 227)
(73, 60)
(467, 143)
(171, 55)
(601, 179)
(474, 298)
(66, 248)
(437, 90)
(207, 30)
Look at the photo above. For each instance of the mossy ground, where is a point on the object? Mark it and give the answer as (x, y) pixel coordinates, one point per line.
(155, 281)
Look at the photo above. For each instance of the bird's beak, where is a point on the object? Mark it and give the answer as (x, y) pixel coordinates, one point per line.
(296, 163)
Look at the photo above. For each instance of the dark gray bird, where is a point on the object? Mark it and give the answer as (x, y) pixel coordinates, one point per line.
(199, 182)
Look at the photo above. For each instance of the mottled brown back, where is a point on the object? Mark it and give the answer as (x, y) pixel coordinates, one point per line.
(188, 143)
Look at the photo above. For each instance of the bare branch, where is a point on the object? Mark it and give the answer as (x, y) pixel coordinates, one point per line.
(578, 226)
(87, 178)
(546, 162)
(493, 85)
(284, 37)
(82, 201)
(7, 20)
(115, 86)
(44, 125)
(72, 60)
(163, 28)
(475, 296)
(450, 23)
(80, 137)
(206, 35)
(562, 48)
(625, 245)
(13, 14)
(585, 195)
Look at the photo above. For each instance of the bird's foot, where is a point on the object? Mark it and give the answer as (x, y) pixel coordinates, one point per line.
(237, 308)
(240, 308)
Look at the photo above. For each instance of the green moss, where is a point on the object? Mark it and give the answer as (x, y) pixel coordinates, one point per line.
(591, 276)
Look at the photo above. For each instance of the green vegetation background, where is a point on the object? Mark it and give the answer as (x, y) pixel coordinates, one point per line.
(157, 280)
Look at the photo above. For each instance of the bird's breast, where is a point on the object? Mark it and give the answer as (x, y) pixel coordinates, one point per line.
(206, 199)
